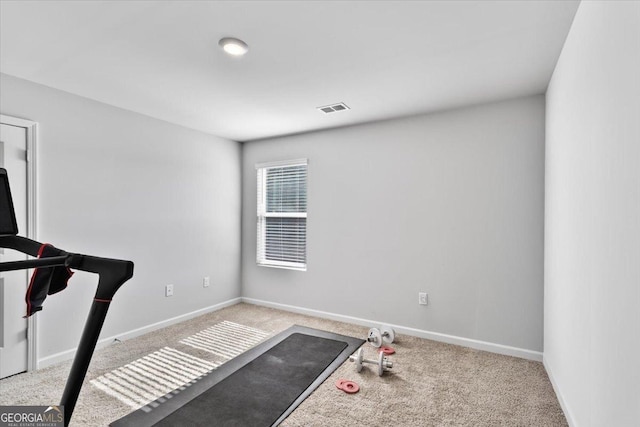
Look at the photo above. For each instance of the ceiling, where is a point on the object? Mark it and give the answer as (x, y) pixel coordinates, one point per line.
(383, 59)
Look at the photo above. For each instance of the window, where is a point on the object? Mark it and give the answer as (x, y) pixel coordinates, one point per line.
(282, 214)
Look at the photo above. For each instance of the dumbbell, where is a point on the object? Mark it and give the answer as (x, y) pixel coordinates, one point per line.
(383, 363)
(384, 335)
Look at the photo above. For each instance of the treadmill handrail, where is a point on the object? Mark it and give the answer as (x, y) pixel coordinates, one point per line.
(113, 272)
(54, 261)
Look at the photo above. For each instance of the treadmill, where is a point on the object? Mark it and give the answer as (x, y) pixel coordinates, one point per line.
(112, 273)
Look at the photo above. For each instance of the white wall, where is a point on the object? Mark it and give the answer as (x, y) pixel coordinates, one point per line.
(118, 184)
(449, 203)
(592, 215)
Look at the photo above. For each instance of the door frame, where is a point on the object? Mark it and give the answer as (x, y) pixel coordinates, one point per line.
(32, 223)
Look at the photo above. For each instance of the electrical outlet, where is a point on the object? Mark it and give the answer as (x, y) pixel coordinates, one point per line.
(168, 291)
(423, 298)
(206, 282)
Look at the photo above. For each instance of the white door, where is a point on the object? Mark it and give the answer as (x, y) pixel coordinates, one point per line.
(13, 284)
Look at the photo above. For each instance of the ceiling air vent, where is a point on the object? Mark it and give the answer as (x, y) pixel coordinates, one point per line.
(341, 106)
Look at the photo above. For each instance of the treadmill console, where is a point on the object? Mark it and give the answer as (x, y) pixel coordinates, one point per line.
(8, 224)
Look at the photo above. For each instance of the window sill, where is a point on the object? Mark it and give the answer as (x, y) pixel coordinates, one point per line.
(284, 267)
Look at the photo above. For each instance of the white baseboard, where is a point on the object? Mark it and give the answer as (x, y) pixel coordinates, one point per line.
(435, 336)
(559, 395)
(104, 342)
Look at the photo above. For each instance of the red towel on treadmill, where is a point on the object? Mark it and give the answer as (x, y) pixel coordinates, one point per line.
(46, 281)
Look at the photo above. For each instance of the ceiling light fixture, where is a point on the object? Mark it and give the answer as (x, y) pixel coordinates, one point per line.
(233, 46)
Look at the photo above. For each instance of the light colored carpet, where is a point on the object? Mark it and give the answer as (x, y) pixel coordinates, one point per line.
(431, 384)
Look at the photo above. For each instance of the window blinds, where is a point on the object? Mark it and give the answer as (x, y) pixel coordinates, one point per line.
(282, 214)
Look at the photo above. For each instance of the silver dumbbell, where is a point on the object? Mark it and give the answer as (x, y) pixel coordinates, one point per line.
(385, 335)
(383, 363)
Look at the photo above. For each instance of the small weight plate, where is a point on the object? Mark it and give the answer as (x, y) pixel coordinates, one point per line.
(386, 350)
(387, 333)
(375, 337)
(359, 358)
(350, 387)
(340, 383)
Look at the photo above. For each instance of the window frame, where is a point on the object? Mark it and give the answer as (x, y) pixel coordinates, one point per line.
(262, 214)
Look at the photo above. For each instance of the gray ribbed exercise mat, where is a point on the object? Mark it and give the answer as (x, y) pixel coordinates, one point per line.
(257, 388)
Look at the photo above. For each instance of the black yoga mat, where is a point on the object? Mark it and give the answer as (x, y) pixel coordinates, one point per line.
(258, 388)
